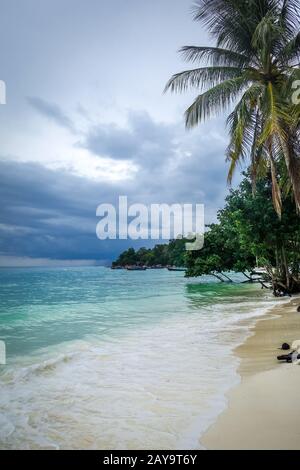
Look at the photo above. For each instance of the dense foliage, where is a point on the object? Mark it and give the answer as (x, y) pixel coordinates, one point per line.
(249, 234)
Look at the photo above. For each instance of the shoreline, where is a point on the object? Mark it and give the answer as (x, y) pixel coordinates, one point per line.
(263, 410)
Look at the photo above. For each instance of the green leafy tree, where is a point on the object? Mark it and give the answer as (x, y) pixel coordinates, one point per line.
(249, 232)
(222, 252)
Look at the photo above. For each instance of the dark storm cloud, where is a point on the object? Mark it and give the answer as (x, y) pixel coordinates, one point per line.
(48, 213)
(141, 139)
(174, 165)
(51, 214)
(51, 111)
(111, 141)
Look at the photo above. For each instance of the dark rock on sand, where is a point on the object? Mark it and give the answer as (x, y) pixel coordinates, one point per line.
(287, 357)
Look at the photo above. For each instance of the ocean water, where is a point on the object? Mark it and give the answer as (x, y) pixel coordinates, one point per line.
(102, 359)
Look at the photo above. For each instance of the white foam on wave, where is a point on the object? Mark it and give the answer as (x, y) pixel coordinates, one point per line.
(157, 387)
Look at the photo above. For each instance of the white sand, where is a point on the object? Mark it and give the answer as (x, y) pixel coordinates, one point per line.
(264, 410)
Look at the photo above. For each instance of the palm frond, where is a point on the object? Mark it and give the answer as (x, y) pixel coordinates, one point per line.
(215, 56)
(242, 134)
(243, 128)
(279, 128)
(267, 38)
(215, 100)
(275, 116)
(232, 22)
(292, 158)
(290, 51)
(276, 192)
(289, 16)
(201, 78)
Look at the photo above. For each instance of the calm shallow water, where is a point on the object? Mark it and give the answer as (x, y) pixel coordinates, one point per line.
(115, 359)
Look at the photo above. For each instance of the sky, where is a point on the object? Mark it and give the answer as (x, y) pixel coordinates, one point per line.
(86, 120)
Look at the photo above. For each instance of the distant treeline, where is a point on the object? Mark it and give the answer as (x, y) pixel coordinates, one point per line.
(172, 254)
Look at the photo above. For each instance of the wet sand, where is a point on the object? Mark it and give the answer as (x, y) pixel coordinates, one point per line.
(264, 410)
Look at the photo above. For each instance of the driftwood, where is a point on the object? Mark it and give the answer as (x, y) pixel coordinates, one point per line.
(288, 357)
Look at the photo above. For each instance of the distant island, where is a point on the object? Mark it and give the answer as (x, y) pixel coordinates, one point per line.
(172, 254)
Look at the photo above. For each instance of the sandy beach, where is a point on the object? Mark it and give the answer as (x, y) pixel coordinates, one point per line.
(263, 411)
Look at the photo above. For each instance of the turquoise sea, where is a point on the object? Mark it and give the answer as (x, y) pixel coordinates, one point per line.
(102, 359)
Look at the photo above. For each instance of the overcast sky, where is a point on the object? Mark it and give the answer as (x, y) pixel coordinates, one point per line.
(86, 121)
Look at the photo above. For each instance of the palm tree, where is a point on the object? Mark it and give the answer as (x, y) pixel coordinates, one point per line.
(254, 64)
